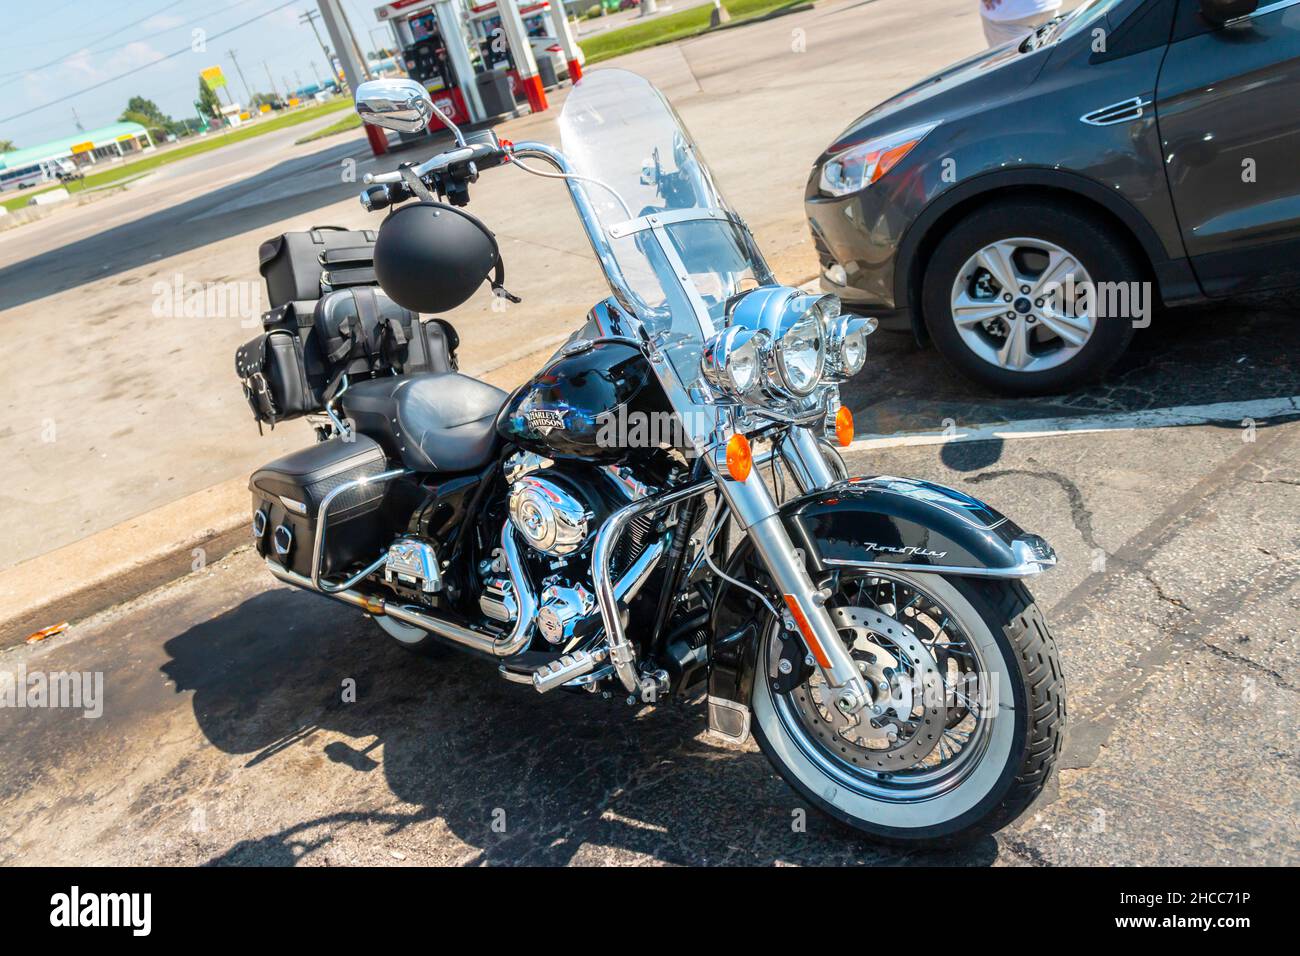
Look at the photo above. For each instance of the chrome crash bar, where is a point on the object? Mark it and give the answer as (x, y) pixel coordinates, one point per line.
(622, 655)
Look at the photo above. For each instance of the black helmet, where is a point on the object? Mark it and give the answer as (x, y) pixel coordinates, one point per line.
(431, 258)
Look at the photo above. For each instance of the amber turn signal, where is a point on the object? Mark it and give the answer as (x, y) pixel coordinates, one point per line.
(740, 460)
(844, 427)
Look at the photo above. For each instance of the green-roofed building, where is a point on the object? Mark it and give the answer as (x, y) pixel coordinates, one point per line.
(37, 165)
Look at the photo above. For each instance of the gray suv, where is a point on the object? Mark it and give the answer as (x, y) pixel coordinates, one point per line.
(1027, 207)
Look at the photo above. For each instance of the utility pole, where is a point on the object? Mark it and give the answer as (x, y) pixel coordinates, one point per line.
(310, 17)
(356, 47)
(336, 25)
(354, 65)
(77, 119)
(274, 91)
(248, 93)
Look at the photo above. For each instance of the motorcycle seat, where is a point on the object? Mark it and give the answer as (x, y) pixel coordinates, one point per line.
(437, 421)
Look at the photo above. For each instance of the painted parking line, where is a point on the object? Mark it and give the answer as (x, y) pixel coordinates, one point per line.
(1238, 413)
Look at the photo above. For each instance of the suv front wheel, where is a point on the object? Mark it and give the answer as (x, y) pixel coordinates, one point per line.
(1027, 297)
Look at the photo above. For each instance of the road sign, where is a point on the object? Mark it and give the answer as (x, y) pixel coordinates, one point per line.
(213, 77)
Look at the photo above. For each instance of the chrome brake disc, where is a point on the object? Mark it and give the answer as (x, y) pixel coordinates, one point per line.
(908, 711)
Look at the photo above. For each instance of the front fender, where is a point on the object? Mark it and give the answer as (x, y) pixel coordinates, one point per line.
(880, 523)
(906, 524)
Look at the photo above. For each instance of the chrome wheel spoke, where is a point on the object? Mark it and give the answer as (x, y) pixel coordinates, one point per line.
(996, 260)
(968, 310)
(1014, 353)
(1061, 266)
(1073, 330)
(908, 749)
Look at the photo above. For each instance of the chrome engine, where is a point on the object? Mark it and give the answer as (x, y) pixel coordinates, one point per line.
(550, 518)
(556, 510)
(564, 607)
(411, 569)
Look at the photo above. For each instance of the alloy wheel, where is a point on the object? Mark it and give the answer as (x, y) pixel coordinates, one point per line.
(1024, 304)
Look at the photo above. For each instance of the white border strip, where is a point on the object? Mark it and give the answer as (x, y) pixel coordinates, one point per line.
(1235, 412)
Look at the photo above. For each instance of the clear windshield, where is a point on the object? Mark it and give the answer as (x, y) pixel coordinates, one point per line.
(645, 177)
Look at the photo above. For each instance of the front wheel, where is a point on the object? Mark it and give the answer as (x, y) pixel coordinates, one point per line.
(966, 721)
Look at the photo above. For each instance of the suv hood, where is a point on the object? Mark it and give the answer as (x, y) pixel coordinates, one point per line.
(979, 80)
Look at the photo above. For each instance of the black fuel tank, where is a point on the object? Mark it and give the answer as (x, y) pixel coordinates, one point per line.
(594, 402)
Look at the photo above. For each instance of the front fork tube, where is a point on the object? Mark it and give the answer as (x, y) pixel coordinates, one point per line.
(752, 504)
(803, 454)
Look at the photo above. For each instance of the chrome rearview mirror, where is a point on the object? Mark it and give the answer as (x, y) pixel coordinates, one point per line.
(396, 104)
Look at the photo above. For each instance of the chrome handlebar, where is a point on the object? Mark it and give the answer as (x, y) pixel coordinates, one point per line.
(461, 154)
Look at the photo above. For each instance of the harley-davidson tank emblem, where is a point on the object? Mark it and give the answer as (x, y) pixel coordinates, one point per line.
(544, 420)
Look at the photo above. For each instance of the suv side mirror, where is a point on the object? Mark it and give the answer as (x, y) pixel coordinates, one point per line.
(397, 104)
(1220, 12)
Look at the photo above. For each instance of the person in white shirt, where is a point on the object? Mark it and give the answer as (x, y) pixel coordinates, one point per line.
(1007, 20)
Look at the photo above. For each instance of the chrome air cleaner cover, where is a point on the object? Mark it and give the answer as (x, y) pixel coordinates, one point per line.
(551, 519)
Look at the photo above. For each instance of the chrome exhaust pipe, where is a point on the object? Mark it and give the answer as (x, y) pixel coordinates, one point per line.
(474, 640)
(484, 643)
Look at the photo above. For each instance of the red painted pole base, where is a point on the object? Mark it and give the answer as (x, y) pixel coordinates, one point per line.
(378, 139)
(575, 71)
(533, 90)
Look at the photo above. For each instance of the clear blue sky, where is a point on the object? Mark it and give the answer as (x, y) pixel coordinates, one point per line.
(57, 47)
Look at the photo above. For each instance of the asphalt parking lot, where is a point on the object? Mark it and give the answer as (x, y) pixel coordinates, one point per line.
(244, 722)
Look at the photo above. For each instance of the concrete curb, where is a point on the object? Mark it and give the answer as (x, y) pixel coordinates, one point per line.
(124, 561)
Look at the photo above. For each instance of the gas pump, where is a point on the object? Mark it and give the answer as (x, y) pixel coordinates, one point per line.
(424, 55)
(448, 45)
(555, 53)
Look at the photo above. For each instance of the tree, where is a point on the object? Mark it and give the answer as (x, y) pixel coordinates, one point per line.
(147, 114)
(7, 145)
(209, 103)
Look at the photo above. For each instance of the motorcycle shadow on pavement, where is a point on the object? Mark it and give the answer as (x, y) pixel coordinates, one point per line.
(516, 777)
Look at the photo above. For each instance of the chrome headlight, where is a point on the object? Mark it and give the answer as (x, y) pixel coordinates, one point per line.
(732, 360)
(800, 353)
(847, 344)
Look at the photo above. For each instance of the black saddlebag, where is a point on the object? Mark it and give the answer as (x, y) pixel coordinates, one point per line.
(287, 496)
(297, 365)
(306, 265)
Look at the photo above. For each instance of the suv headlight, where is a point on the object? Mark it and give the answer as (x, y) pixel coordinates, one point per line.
(862, 165)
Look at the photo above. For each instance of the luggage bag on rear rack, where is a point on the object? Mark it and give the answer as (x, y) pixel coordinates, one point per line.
(298, 364)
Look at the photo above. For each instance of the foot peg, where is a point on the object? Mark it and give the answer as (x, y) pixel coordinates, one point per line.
(557, 672)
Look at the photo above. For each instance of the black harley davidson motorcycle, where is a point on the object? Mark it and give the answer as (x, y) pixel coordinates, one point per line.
(659, 513)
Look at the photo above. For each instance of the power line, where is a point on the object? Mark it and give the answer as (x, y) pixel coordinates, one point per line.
(57, 60)
(113, 79)
(122, 46)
